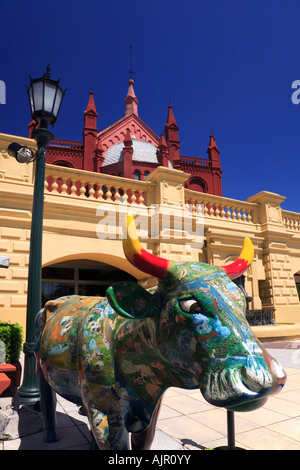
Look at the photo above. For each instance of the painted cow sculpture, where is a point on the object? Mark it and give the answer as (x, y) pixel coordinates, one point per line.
(117, 355)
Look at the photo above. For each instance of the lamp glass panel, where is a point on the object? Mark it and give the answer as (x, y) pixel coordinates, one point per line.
(49, 97)
(38, 95)
(31, 100)
(58, 100)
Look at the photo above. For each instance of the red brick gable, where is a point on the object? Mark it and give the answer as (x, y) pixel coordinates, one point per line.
(115, 133)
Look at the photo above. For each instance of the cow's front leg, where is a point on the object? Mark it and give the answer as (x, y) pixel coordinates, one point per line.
(48, 407)
(109, 431)
(144, 439)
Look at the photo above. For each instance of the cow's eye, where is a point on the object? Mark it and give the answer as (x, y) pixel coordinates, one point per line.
(190, 306)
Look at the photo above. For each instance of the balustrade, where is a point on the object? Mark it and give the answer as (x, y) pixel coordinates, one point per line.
(194, 161)
(221, 207)
(67, 144)
(291, 220)
(84, 184)
(70, 182)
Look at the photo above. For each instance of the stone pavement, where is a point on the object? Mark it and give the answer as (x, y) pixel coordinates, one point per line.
(186, 421)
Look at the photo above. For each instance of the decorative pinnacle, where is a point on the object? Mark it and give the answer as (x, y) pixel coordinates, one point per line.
(131, 72)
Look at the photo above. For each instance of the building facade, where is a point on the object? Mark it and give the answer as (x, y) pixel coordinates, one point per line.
(130, 149)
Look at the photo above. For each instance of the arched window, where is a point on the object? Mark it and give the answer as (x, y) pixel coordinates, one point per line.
(137, 175)
(197, 184)
(63, 163)
(146, 173)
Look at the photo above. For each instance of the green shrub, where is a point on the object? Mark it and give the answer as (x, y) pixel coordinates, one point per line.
(11, 339)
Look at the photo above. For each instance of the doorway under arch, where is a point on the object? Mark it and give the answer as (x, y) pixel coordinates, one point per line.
(297, 282)
(80, 277)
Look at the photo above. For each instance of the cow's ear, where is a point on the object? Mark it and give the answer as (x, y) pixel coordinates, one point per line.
(130, 300)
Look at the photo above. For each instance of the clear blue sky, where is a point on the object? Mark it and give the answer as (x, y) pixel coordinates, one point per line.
(227, 65)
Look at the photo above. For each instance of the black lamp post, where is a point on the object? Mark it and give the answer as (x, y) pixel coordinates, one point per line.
(45, 97)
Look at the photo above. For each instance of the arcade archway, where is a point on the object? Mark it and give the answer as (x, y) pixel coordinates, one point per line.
(80, 277)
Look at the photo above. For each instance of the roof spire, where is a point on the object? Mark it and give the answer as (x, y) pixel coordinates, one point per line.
(91, 104)
(171, 118)
(171, 132)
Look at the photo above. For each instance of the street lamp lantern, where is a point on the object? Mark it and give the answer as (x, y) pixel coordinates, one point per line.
(45, 98)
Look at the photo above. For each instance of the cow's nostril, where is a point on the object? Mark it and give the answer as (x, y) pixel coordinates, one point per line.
(257, 374)
(249, 381)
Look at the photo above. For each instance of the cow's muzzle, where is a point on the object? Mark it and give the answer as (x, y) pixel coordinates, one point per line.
(245, 387)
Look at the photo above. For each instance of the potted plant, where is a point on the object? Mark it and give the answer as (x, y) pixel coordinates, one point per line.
(11, 340)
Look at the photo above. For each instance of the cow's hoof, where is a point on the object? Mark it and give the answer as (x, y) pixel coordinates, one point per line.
(50, 436)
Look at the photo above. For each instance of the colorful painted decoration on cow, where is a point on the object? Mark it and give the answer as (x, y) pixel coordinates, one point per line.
(118, 355)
